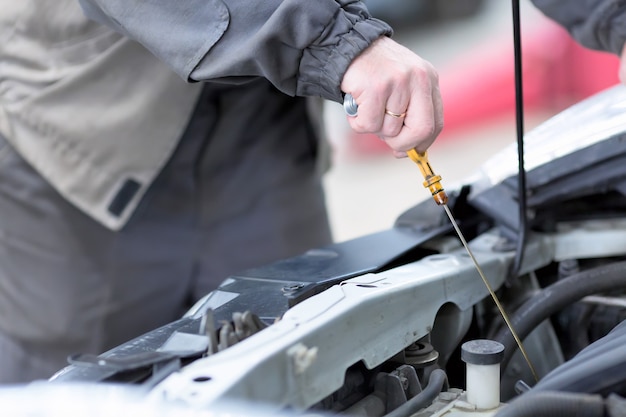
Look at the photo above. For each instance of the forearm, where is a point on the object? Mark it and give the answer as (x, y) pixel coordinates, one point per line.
(596, 24)
(303, 47)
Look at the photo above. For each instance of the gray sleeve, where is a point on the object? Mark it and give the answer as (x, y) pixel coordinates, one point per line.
(596, 24)
(303, 47)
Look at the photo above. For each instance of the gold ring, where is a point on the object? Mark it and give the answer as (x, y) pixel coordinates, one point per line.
(392, 114)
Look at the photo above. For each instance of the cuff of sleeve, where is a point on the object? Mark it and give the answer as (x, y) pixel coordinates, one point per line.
(322, 67)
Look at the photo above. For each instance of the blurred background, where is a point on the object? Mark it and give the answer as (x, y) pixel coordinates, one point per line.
(470, 42)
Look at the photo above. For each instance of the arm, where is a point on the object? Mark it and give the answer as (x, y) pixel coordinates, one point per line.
(303, 47)
(596, 24)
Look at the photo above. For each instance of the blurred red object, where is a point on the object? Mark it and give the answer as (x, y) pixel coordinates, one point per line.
(557, 72)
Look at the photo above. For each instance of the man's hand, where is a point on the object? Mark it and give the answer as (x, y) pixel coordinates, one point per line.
(398, 96)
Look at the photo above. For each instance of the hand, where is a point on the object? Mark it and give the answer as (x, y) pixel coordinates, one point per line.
(387, 77)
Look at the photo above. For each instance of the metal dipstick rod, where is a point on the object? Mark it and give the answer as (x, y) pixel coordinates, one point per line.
(432, 182)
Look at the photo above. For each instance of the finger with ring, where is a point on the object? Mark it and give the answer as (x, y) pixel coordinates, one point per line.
(392, 114)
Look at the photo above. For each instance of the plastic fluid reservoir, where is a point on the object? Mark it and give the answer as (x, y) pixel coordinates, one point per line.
(482, 358)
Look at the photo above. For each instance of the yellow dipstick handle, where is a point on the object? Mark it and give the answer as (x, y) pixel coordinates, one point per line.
(431, 180)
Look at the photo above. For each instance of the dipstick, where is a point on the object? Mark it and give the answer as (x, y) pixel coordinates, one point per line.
(431, 180)
(433, 183)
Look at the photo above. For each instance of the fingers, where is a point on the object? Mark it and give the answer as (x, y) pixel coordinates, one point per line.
(374, 116)
(383, 123)
(395, 113)
(423, 122)
(398, 96)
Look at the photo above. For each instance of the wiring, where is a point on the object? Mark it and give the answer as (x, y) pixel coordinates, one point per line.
(519, 117)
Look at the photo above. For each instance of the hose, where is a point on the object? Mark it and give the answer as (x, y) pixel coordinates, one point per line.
(554, 404)
(556, 297)
(600, 368)
(437, 381)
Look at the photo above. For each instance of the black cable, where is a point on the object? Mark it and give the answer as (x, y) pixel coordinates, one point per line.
(519, 117)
